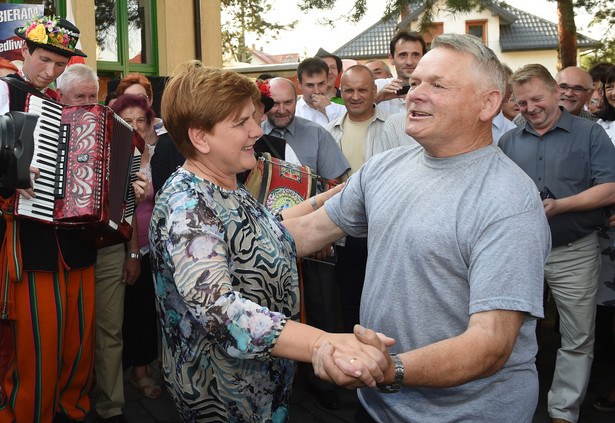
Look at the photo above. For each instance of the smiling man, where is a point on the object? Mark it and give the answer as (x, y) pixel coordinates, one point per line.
(406, 49)
(356, 132)
(575, 89)
(438, 220)
(571, 159)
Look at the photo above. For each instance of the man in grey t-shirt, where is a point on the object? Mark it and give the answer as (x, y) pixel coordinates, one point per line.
(457, 240)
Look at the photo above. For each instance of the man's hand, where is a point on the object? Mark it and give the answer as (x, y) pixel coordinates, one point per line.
(353, 361)
(320, 102)
(35, 173)
(550, 206)
(324, 254)
(131, 271)
(388, 91)
(141, 187)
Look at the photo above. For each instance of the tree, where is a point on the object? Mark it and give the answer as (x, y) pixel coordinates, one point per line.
(604, 14)
(567, 31)
(247, 16)
(567, 49)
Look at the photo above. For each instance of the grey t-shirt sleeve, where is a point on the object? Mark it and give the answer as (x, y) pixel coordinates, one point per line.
(506, 261)
(347, 209)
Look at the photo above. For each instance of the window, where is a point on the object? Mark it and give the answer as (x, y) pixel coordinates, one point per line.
(430, 34)
(125, 37)
(478, 28)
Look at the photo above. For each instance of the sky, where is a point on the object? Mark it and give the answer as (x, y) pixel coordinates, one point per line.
(308, 36)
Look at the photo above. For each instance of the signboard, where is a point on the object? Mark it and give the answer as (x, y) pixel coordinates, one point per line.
(11, 17)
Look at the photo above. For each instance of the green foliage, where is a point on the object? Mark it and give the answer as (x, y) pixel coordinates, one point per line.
(603, 10)
(393, 8)
(604, 14)
(241, 17)
(106, 19)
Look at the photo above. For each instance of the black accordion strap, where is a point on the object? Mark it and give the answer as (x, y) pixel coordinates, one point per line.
(22, 85)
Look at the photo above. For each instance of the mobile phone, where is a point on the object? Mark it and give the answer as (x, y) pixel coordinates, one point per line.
(546, 193)
(404, 90)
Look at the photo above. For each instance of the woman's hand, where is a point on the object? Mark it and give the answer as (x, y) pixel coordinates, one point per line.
(353, 361)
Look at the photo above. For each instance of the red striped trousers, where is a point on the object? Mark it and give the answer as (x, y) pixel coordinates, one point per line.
(50, 368)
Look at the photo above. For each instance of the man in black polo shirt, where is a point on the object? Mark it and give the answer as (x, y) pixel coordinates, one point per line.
(571, 161)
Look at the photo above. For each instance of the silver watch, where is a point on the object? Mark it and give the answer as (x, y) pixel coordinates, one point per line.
(399, 377)
(137, 256)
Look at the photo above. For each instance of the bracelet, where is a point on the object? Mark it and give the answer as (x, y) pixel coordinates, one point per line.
(313, 203)
(137, 256)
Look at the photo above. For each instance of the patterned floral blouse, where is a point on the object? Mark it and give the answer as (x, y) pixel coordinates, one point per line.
(226, 283)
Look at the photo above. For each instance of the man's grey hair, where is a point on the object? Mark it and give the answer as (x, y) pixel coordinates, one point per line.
(489, 71)
(77, 73)
(386, 67)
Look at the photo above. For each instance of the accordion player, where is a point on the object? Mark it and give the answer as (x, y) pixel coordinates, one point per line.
(87, 157)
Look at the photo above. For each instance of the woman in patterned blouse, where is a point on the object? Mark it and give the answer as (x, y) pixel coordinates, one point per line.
(225, 269)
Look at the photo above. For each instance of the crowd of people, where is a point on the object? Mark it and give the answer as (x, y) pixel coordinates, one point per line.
(390, 279)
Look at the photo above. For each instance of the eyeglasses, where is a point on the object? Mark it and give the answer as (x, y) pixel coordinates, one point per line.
(577, 88)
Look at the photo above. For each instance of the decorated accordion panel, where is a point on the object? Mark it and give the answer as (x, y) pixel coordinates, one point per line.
(87, 157)
(278, 184)
(84, 165)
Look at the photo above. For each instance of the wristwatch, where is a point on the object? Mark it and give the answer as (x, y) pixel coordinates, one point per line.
(137, 256)
(397, 381)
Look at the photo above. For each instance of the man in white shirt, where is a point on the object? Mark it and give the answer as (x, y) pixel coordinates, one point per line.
(355, 132)
(315, 105)
(406, 49)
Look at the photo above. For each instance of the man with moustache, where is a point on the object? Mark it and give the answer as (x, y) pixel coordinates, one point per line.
(315, 104)
(576, 88)
(438, 220)
(570, 159)
(356, 133)
(308, 143)
(379, 69)
(406, 49)
(116, 266)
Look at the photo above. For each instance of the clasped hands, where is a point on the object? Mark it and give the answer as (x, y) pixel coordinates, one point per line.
(354, 360)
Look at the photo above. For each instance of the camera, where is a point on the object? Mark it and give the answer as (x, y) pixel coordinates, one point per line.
(404, 90)
(16, 149)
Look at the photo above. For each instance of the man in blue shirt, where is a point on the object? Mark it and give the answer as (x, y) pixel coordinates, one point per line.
(570, 159)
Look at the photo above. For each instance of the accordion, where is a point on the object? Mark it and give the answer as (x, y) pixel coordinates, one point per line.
(87, 157)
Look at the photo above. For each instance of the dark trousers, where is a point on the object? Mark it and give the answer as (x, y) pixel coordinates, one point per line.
(321, 299)
(361, 415)
(351, 262)
(140, 330)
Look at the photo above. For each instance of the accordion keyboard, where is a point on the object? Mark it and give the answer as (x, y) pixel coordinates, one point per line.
(45, 158)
